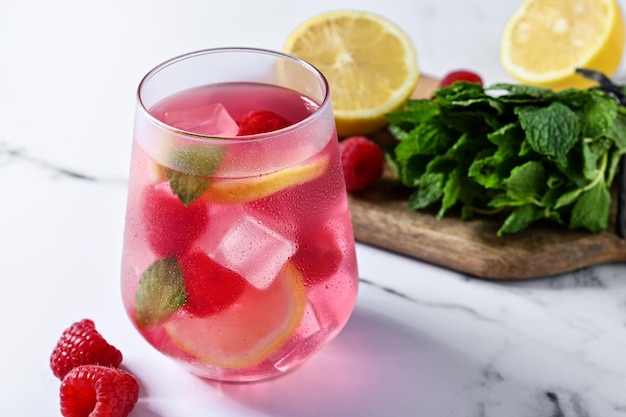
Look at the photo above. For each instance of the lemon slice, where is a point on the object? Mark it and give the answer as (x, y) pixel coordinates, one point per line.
(251, 330)
(545, 41)
(369, 62)
(243, 190)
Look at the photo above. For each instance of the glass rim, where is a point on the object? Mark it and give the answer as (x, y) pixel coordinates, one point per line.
(232, 139)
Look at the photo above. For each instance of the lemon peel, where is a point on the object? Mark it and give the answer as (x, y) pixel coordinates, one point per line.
(243, 190)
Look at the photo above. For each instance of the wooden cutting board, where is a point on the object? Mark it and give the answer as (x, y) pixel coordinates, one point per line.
(381, 218)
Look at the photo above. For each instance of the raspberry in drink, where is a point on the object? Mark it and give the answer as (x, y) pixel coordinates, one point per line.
(239, 257)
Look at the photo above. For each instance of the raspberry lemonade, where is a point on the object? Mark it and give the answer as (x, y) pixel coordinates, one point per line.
(238, 258)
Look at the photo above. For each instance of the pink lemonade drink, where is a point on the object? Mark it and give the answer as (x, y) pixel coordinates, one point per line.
(239, 259)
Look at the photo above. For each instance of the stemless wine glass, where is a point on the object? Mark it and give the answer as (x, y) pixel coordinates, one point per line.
(239, 259)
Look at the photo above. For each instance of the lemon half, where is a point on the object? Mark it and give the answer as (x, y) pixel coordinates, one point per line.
(544, 41)
(369, 62)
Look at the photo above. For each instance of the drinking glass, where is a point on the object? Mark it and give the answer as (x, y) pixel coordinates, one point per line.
(239, 259)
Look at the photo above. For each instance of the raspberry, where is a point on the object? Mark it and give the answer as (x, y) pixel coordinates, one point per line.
(170, 226)
(210, 287)
(81, 344)
(318, 255)
(261, 121)
(461, 75)
(362, 162)
(98, 391)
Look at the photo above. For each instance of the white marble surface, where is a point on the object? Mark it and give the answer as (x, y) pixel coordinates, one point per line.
(423, 341)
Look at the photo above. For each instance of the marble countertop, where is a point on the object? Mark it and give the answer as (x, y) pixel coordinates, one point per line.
(423, 340)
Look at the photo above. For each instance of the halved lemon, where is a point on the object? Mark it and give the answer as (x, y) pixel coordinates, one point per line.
(544, 41)
(369, 62)
(248, 332)
(243, 190)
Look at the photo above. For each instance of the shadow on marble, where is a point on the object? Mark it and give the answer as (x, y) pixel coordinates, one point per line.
(375, 367)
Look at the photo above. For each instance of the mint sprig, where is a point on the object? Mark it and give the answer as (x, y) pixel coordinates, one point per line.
(161, 292)
(618, 162)
(518, 152)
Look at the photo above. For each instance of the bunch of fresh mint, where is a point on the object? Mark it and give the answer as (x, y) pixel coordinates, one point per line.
(519, 152)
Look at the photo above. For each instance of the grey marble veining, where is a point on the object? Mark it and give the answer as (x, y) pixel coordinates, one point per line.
(11, 154)
(545, 347)
(423, 341)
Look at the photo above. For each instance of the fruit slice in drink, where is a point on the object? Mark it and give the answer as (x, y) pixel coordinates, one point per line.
(250, 330)
(244, 190)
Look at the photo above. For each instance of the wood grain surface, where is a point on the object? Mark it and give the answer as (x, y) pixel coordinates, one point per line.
(381, 218)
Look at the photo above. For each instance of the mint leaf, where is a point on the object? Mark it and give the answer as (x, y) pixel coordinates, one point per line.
(527, 182)
(617, 133)
(510, 135)
(484, 170)
(428, 138)
(193, 165)
(568, 198)
(430, 191)
(411, 172)
(200, 160)
(591, 210)
(451, 192)
(161, 292)
(520, 219)
(460, 92)
(520, 93)
(551, 131)
(590, 161)
(617, 136)
(598, 115)
(417, 111)
(188, 188)
(413, 154)
(613, 165)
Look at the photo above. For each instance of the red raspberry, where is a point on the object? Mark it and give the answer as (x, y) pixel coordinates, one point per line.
(318, 255)
(362, 162)
(261, 121)
(210, 287)
(170, 226)
(81, 344)
(461, 75)
(98, 391)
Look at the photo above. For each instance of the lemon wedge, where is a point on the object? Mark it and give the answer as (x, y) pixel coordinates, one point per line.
(243, 190)
(545, 41)
(248, 332)
(369, 62)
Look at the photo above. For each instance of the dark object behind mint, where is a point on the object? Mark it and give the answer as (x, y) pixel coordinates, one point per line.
(605, 84)
(620, 224)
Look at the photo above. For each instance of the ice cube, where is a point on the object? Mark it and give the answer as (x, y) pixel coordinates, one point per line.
(246, 245)
(210, 119)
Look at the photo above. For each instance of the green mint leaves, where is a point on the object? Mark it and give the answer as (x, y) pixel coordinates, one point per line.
(522, 153)
(193, 167)
(161, 292)
(551, 131)
(188, 188)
